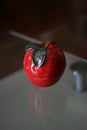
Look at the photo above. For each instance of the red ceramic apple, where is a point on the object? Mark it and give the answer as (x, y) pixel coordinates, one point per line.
(44, 63)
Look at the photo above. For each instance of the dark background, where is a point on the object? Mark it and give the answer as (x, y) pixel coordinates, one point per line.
(25, 15)
(35, 16)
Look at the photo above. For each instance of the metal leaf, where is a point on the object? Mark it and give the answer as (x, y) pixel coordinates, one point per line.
(39, 56)
(32, 46)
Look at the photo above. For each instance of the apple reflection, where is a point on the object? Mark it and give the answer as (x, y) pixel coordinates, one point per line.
(48, 102)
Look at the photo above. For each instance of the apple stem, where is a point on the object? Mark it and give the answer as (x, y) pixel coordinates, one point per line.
(46, 45)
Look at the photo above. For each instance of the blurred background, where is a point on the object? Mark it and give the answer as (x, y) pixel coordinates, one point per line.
(64, 21)
(34, 16)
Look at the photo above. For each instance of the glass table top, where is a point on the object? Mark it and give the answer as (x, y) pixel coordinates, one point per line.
(26, 107)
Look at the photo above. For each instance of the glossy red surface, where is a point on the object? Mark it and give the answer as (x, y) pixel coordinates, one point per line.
(50, 72)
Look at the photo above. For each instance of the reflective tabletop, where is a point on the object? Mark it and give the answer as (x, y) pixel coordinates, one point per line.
(26, 107)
